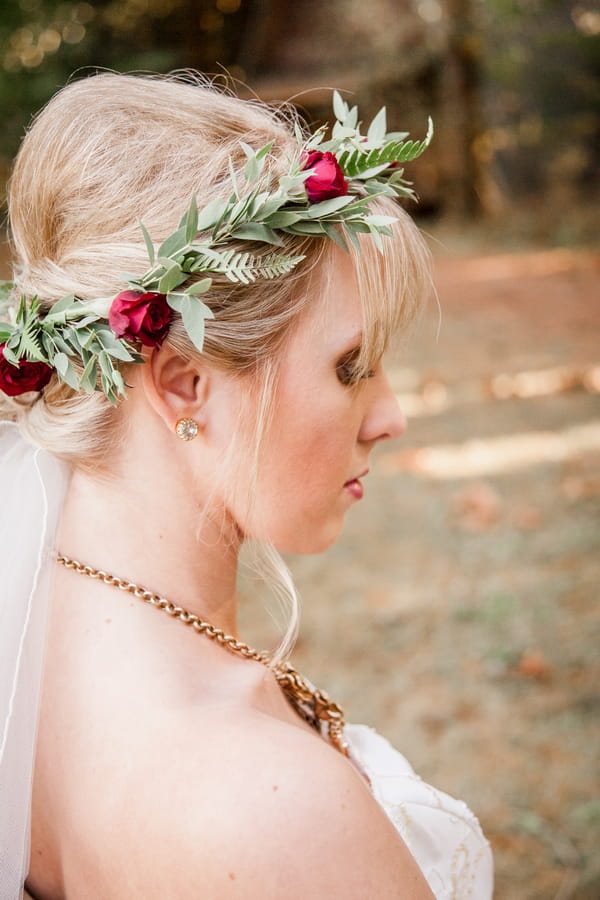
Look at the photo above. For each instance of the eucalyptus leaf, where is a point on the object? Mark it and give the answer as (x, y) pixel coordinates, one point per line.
(65, 370)
(175, 243)
(253, 231)
(251, 169)
(88, 376)
(307, 228)
(194, 312)
(377, 129)
(191, 221)
(115, 348)
(106, 385)
(199, 287)
(340, 107)
(373, 172)
(262, 153)
(353, 237)
(378, 220)
(210, 214)
(342, 131)
(335, 235)
(327, 207)
(60, 308)
(283, 219)
(377, 239)
(172, 278)
(118, 381)
(105, 364)
(148, 242)
(351, 120)
(10, 356)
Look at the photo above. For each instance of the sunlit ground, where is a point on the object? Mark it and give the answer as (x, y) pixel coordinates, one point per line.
(458, 614)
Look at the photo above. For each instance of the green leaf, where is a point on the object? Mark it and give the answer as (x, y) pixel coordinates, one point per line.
(378, 220)
(61, 307)
(61, 344)
(88, 378)
(191, 221)
(193, 312)
(327, 207)
(253, 231)
(65, 370)
(377, 239)
(118, 381)
(251, 169)
(10, 356)
(262, 153)
(148, 242)
(353, 237)
(6, 330)
(172, 276)
(377, 128)
(170, 280)
(340, 107)
(112, 345)
(174, 244)
(335, 235)
(307, 228)
(105, 364)
(199, 287)
(341, 132)
(284, 219)
(351, 120)
(211, 214)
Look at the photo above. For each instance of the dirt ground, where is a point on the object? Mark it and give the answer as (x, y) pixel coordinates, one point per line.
(458, 613)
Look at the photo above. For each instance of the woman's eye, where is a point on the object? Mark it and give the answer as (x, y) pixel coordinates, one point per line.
(348, 371)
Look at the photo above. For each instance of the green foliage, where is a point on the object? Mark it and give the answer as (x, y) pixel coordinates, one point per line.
(71, 330)
(202, 244)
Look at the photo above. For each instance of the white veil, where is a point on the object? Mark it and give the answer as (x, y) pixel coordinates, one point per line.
(32, 487)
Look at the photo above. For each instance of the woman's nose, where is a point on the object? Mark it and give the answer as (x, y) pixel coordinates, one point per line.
(383, 418)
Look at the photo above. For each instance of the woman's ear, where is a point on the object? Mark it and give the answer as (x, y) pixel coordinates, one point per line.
(175, 387)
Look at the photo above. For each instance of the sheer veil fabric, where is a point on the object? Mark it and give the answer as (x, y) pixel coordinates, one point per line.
(32, 490)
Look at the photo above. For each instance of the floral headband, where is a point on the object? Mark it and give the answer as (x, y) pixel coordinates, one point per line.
(327, 191)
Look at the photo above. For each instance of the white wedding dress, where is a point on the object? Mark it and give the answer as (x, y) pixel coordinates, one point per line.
(441, 833)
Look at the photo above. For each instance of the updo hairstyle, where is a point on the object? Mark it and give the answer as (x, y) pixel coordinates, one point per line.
(109, 151)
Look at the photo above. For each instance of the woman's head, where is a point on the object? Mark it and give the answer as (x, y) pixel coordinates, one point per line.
(111, 150)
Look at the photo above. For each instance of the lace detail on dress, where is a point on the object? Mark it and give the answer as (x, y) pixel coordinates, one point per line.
(442, 833)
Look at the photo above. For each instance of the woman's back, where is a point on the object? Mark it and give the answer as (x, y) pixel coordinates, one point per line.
(182, 772)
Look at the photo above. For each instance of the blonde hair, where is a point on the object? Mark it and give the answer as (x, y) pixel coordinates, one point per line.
(112, 150)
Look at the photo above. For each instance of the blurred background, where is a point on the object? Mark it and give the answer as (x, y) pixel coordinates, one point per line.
(458, 613)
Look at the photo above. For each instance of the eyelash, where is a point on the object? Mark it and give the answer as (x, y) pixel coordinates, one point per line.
(347, 372)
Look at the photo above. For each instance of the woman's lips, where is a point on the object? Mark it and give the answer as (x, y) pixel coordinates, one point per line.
(355, 488)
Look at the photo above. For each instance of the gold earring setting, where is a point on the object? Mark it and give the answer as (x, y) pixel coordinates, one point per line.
(186, 429)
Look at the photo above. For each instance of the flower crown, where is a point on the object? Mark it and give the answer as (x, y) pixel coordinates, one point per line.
(327, 191)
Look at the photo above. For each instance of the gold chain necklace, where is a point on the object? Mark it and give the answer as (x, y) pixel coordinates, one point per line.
(314, 706)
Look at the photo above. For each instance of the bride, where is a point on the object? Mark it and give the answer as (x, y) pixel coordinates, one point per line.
(227, 393)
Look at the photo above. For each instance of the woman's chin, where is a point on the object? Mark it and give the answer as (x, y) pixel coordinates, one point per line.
(311, 543)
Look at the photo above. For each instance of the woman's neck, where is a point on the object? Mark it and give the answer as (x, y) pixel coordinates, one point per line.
(150, 531)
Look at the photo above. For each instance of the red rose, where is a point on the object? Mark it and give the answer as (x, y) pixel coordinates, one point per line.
(140, 317)
(327, 180)
(30, 376)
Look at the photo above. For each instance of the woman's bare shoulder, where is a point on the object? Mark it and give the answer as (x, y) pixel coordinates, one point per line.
(260, 808)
